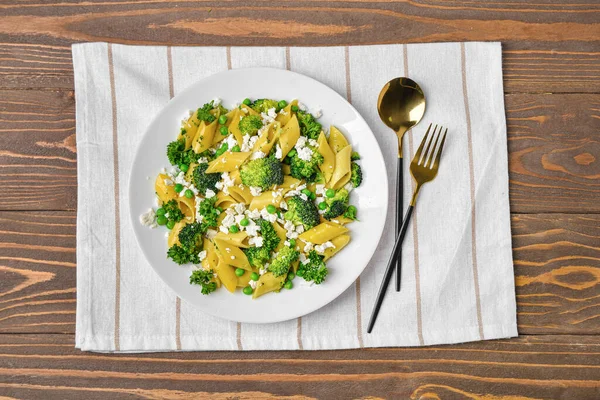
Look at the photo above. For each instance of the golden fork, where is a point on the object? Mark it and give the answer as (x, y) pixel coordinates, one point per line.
(423, 168)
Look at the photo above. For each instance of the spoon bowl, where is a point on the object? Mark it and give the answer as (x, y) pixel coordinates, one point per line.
(401, 106)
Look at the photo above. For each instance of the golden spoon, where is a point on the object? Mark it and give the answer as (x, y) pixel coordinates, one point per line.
(401, 106)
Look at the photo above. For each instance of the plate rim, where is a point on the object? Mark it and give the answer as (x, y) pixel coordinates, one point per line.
(193, 87)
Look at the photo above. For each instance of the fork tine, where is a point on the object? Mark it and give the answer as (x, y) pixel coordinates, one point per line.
(417, 156)
(429, 141)
(431, 154)
(439, 153)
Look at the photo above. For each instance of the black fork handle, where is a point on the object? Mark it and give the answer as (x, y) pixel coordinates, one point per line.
(399, 206)
(389, 270)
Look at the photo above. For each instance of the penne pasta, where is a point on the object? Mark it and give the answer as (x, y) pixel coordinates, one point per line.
(228, 161)
(341, 173)
(328, 165)
(289, 136)
(323, 232)
(337, 140)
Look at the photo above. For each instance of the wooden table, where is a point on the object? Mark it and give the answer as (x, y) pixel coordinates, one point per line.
(552, 84)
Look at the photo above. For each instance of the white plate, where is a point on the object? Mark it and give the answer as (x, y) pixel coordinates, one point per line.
(370, 198)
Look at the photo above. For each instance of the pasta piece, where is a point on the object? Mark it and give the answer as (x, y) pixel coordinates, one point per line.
(337, 140)
(241, 194)
(268, 138)
(342, 172)
(342, 220)
(238, 239)
(286, 169)
(190, 127)
(265, 198)
(163, 191)
(287, 114)
(174, 234)
(295, 266)
(234, 127)
(328, 165)
(242, 281)
(235, 176)
(231, 117)
(226, 274)
(289, 136)
(204, 137)
(228, 161)
(245, 110)
(232, 255)
(289, 182)
(224, 201)
(268, 283)
(323, 232)
(281, 233)
(339, 242)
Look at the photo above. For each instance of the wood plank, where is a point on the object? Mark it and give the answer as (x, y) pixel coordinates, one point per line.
(556, 257)
(531, 367)
(548, 46)
(553, 144)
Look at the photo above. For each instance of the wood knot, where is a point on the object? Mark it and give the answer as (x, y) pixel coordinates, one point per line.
(584, 159)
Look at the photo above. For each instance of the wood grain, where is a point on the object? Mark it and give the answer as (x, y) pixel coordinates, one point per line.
(549, 46)
(556, 257)
(554, 160)
(537, 367)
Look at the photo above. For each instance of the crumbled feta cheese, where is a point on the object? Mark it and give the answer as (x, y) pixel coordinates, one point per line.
(263, 270)
(252, 229)
(320, 189)
(163, 170)
(254, 214)
(303, 259)
(202, 255)
(301, 106)
(256, 241)
(320, 248)
(256, 191)
(157, 202)
(283, 205)
(313, 142)
(278, 152)
(216, 102)
(300, 228)
(304, 153)
(149, 219)
(239, 208)
(233, 257)
(252, 284)
(348, 186)
(210, 193)
(283, 112)
(267, 215)
(301, 142)
(269, 116)
(308, 247)
(211, 233)
(317, 113)
(257, 154)
(286, 243)
(168, 182)
(231, 141)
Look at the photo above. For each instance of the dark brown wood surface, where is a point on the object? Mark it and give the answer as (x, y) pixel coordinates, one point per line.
(551, 62)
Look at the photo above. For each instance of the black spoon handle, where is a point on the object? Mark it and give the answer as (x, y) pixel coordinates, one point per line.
(389, 269)
(399, 198)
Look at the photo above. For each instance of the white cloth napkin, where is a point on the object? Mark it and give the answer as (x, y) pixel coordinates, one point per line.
(457, 282)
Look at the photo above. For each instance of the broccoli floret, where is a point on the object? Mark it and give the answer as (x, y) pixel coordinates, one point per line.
(190, 237)
(181, 256)
(204, 181)
(350, 212)
(263, 105)
(262, 173)
(204, 279)
(172, 211)
(302, 212)
(355, 156)
(356, 177)
(336, 209)
(209, 213)
(309, 127)
(204, 114)
(258, 256)
(282, 263)
(314, 270)
(337, 205)
(307, 170)
(178, 155)
(250, 124)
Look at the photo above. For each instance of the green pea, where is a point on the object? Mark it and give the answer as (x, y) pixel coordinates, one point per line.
(222, 149)
(178, 187)
(271, 209)
(330, 193)
(282, 104)
(313, 196)
(161, 220)
(235, 148)
(295, 108)
(184, 167)
(292, 242)
(291, 275)
(189, 194)
(254, 276)
(247, 101)
(171, 224)
(160, 211)
(234, 229)
(248, 290)
(299, 273)
(244, 222)
(223, 119)
(306, 192)
(240, 272)
(292, 153)
(288, 285)
(322, 205)
(351, 209)
(223, 131)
